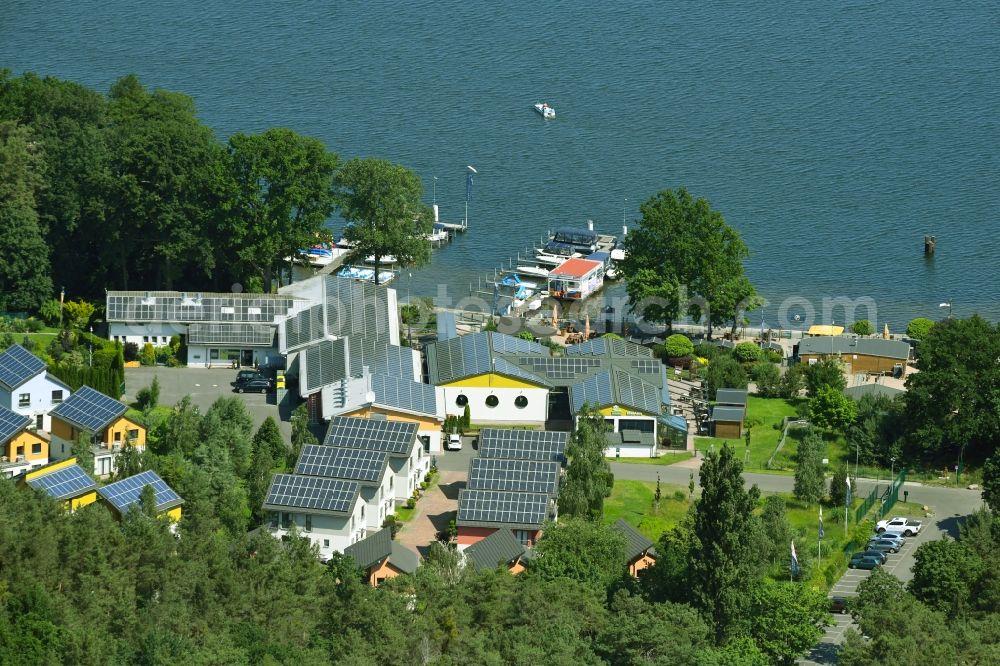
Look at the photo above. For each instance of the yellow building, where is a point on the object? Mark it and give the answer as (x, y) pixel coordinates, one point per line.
(122, 496)
(23, 449)
(65, 481)
(89, 411)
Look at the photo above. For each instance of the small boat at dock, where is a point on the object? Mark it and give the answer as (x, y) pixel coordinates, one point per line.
(546, 110)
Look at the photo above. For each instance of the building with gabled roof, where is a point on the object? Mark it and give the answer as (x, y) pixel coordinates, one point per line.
(64, 481)
(382, 558)
(858, 354)
(482, 512)
(22, 449)
(499, 549)
(369, 467)
(103, 417)
(124, 495)
(639, 551)
(27, 388)
(576, 279)
(328, 512)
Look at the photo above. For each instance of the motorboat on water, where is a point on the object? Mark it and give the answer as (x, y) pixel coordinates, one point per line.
(365, 274)
(532, 271)
(386, 260)
(546, 110)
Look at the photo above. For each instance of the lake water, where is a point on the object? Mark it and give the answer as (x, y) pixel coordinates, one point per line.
(832, 135)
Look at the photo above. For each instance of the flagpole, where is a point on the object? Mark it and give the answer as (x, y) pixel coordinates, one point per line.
(847, 504)
(819, 540)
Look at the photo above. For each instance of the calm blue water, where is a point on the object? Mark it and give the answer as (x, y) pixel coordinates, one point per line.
(832, 135)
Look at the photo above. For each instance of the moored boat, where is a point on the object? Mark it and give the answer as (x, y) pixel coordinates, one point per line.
(546, 110)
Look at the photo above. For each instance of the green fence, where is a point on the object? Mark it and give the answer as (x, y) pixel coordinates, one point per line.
(892, 495)
(866, 506)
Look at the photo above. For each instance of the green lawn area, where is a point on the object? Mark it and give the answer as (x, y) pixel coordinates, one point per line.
(765, 416)
(403, 514)
(663, 459)
(633, 501)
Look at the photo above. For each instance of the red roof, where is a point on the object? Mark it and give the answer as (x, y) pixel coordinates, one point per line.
(576, 268)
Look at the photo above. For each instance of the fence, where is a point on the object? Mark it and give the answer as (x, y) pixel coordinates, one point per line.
(892, 494)
(786, 423)
(866, 506)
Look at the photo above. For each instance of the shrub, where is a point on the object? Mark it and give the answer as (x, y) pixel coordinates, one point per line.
(773, 356)
(466, 418)
(768, 379)
(919, 328)
(78, 313)
(393, 524)
(163, 354)
(678, 346)
(148, 356)
(747, 352)
(131, 352)
(791, 382)
(33, 325)
(680, 495)
(51, 312)
(410, 503)
(862, 327)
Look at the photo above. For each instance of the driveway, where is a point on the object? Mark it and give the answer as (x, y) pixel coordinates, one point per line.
(434, 511)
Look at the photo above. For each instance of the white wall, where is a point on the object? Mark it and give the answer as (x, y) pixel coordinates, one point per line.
(156, 333)
(40, 389)
(536, 410)
(331, 533)
(379, 502)
(630, 452)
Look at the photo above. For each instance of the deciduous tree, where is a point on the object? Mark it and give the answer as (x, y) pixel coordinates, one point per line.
(809, 483)
(586, 551)
(830, 408)
(588, 475)
(827, 371)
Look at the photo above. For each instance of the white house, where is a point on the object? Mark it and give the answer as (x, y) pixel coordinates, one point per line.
(329, 512)
(26, 388)
(370, 468)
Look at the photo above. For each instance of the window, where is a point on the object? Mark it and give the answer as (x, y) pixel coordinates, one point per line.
(253, 311)
(362, 512)
(492, 401)
(145, 338)
(520, 402)
(36, 448)
(462, 400)
(228, 309)
(39, 421)
(213, 354)
(57, 397)
(274, 520)
(309, 523)
(133, 433)
(523, 537)
(286, 519)
(118, 436)
(326, 543)
(24, 400)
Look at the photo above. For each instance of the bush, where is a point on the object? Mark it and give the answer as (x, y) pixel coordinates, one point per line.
(131, 352)
(148, 356)
(791, 382)
(862, 327)
(51, 312)
(747, 352)
(410, 503)
(163, 354)
(680, 495)
(919, 328)
(773, 356)
(677, 346)
(78, 313)
(393, 524)
(724, 372)
(768, 379)
(33, 325)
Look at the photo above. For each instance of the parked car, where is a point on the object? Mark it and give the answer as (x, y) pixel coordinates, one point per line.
(885, 536)
(881, 555)
(454, 443)
(256, 385)
(245, 376)
(864, 563)
(903, 526)
(883, 545)
(838, 605)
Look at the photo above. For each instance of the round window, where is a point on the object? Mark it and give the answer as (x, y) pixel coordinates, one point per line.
(462, 400)
(492, 401)
(520, 402)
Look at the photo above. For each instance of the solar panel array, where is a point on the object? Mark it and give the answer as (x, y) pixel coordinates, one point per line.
(560, 367)
(382, 357)
(594, 347)
(647, 366)
(493, 506)
(535, 476)
(508, 344)
(89, 409)
(504, 367)
(305, 327)
(246, 335)
(405, 394)
(595, 391)
(326, 363)
(354, 433)
(11, 423)
(312, 492)
(464, 356)
(175, 306)
(357, 308)
(522, 444)
(125, 493)
(18, 365)
(633, 392)
(364, 465)
(64, 483)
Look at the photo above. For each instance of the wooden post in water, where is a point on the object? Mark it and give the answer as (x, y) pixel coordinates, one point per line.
(929, 243)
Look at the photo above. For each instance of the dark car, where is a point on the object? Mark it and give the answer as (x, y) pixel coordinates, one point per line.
(880, 554)
(838, 605)
(864, 563)
(256, 385)
(245, 376)
(883, 545)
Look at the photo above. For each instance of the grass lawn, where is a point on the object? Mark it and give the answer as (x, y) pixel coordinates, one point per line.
(633, 501)
(404, 515)
(663, 459)
(766, 415)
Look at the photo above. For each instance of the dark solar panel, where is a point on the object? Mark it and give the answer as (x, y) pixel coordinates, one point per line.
(64, 483)
(405, 394)
(492, 506)
(365, 465)
(17, 365)
(312, 492)
(89, 409)
(595, 391)
(125, 493)
(354, 433)
(11, 423)
(535, 476)
(508, 344)
(522, 444)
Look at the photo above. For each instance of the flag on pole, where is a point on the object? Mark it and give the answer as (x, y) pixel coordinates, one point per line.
(848, 479)
(468, 182)
(821, 532)
(795, 561)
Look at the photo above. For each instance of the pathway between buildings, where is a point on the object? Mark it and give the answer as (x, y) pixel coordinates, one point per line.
(434, 511)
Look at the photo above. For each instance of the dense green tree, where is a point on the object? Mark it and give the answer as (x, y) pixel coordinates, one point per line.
(827, 371)
(678, 346)
(747, 352)
(953, 403)
(838, 487)
(991, 481)
(792, 382)
(301, 435)
(777, 531)
(381, 203)
(639, 633)
(282, 194)
(723, 557)
(724, 372)
(944, 575)
(767, 377)
(877, 429)
(667, 579)
(919, 328)
(810, 486)
(25, 280)
(588, 476)
(586, 551)
(786, 619)
(830, 408)
(682, 246)
(268, 436)
(862, 327)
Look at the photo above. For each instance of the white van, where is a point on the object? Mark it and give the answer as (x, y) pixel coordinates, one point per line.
(454, 443)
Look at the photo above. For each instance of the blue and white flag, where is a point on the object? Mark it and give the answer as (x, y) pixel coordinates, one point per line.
(821, 532)
(795, 561)
(468, 182)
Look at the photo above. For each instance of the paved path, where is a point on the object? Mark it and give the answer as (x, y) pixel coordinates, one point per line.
(434, 511)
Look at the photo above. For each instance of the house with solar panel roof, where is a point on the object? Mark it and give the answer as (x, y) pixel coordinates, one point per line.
(23, 448)
(64, 481)
(27, 388)
(124, 495)
(329, 512)
(103, 419)
(512, 486)
(369, 467)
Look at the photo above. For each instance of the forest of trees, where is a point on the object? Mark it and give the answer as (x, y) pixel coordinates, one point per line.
(130, 190)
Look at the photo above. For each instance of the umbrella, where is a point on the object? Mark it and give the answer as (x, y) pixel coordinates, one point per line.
(885, 332)
(586, 325)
